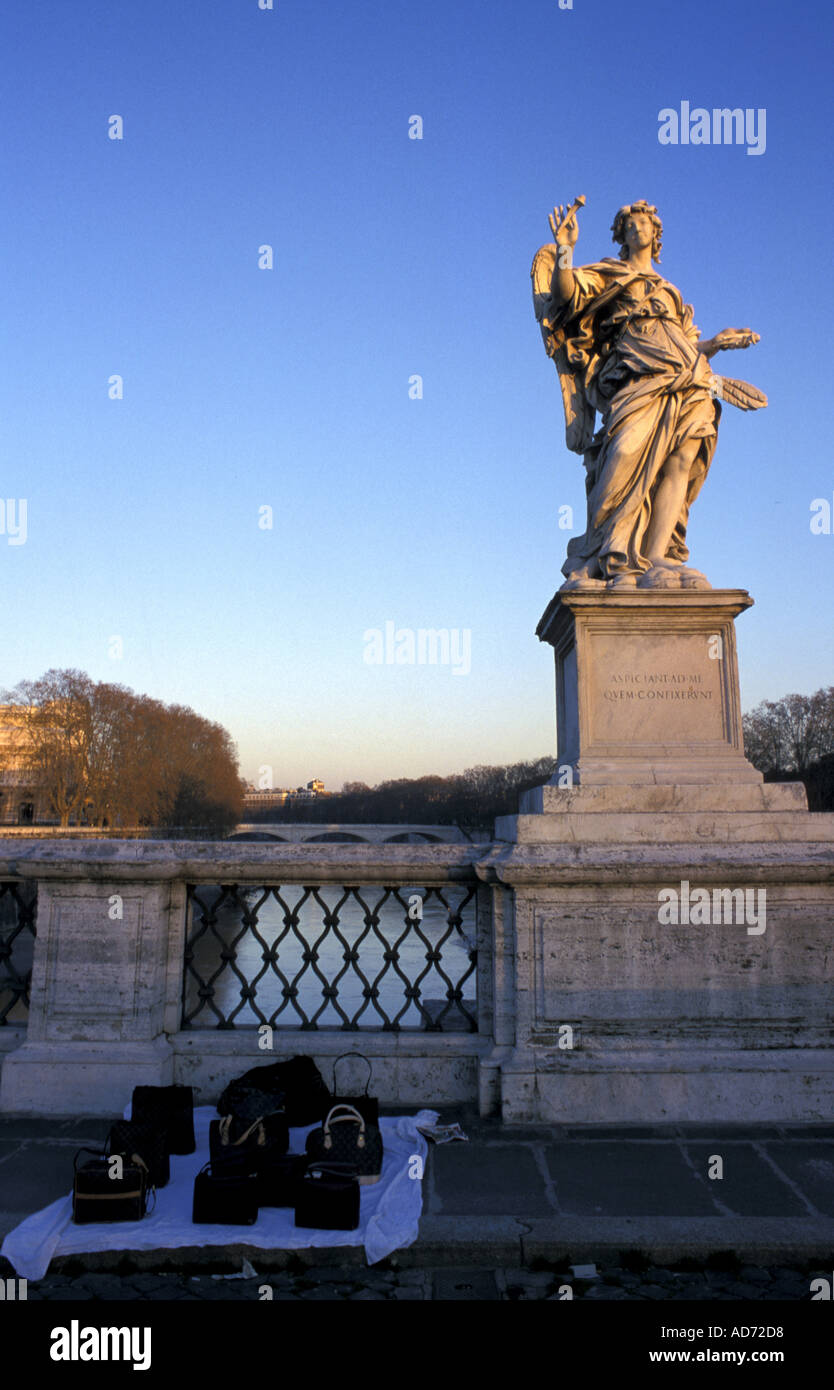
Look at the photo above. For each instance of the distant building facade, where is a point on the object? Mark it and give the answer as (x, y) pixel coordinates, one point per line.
(259, 799)
(21, 800)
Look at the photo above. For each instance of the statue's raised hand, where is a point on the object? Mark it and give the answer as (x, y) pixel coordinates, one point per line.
(563, 226)
(730, 338)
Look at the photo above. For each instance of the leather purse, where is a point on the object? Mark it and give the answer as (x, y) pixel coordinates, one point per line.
(296, 1084)
(328, 1198)
(346, 1138)
(248, 1105)
(133, 1140)
(368, 1106)
(242, 1148)
(224, 1199)
(96, 1196)
(170, 1108)
(229, 1155)
(279, 1178)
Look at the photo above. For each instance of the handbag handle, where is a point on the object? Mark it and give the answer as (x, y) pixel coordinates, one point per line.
(326, 1168)
(225, 1130)
(135, 1159)
(362, 1058)
(219, 1177)
(352, 1116)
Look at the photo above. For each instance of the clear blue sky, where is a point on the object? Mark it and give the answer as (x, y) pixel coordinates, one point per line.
(246, 387)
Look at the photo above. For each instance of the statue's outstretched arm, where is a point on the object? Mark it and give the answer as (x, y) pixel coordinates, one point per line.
(728, 338)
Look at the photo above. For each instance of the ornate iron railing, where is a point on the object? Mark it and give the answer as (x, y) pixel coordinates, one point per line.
(18, 908)
(331, 956)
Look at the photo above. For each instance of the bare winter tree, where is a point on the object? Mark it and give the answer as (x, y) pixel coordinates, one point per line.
(791, 734)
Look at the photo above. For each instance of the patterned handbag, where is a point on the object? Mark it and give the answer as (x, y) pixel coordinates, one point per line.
(242, 1148)
(133, 1140)
(346, 1138)
(368, 1106)
(297, 1084)
(239, 1155)
(248, 1104)
(167, 1107)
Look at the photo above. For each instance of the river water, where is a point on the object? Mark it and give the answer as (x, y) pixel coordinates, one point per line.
(393, 927)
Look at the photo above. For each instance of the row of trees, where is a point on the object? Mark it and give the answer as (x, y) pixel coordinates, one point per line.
(100, 754)
(471, 799)
(791, 738)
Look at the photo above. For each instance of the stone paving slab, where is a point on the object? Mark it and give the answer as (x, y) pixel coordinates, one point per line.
(811, 1168)
(609, 1179)
(470, 1180)
(749, 1184)
(38, 1174)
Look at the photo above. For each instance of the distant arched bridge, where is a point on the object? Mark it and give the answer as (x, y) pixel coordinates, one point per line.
(306, 834)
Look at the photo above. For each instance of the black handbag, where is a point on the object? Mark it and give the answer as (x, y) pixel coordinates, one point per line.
(297, 1084)
(328, 1198)
(170, 1108)
(248, 1104)
(96, 1196)
(132, 1140)
(346, 1138)
(368, 1106)
(224, 1199)
(243, 1148)
(279, 1178)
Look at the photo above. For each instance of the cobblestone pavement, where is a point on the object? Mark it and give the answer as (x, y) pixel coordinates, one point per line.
(739, 1283)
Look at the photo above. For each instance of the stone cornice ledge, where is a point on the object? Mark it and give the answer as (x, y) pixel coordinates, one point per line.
(556, 865)
(213, 861)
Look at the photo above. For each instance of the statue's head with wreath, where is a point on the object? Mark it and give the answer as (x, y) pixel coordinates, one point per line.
(618, 227)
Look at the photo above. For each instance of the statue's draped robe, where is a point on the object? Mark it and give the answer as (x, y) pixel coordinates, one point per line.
(629, 343)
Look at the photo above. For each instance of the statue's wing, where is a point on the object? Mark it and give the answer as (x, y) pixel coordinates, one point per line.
(579, 413)
(739, 393)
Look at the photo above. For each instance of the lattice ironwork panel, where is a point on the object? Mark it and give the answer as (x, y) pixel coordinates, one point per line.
(18, 907)
(388, 959)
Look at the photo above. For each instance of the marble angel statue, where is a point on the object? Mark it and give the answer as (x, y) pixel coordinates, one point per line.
(625, 346)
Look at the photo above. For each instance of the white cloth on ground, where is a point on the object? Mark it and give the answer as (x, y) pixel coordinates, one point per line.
(389, 1210)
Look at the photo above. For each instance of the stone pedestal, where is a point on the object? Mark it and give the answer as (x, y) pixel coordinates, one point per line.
(647, 686)
(625, 1010)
